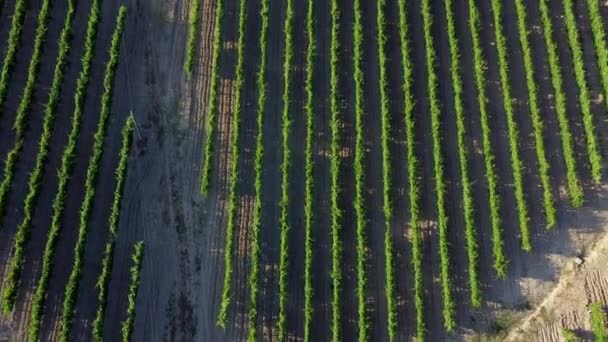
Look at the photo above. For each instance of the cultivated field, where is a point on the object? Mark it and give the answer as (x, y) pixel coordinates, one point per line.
(385, 170)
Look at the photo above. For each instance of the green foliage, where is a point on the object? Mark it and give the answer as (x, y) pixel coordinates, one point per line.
(412, 169)
(467, 191)
(233, 181)
(442, 220)
(598, 322)
(137, 258)
(285, 165)
(309, 176)
(359, 171)
(63, 176)
(106, 263)
(500, 261)
(22, 115)
(574, 185)
(386, 173)
(334, 170)
(595, 159)
(71, 289)
(193, 33)
(516, 163)
(537, 124)
(12, 44)
(13, 274)
(599, 38)
(569, 335)
(254, 280)
(213, 98)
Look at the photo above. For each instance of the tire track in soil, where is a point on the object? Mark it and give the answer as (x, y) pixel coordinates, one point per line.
(375, 263)
(48, 186)
(139, 213)
(596, 287)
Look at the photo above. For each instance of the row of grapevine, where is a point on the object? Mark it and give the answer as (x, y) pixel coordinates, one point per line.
(467, 191)
(574, 186)
(71, 289)
(213, 98)
(599, 323)
(308, 171)
(108, 256)
(537, 124)
(442, 219)
(516, 163)
(595, 159)
(386, 172)
(334, 170)
(22, 236)
(500, 261)
(137, 258)
(601, 47)
(359, 171)
(11, 48)
(254, 276)
(285, 166)
(24, 105)
(193, 32)
(412, 169)
(65, 172)
(233, 181)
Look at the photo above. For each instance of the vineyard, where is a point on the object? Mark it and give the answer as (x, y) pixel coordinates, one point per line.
(300, 170)
(60, 144)
(391, 178)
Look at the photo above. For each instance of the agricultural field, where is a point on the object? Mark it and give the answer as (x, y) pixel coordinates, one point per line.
(301, 170)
